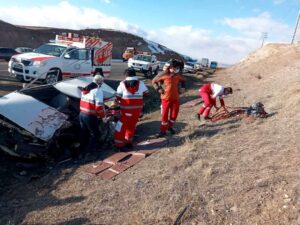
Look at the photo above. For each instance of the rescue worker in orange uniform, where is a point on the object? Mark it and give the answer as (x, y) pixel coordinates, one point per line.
(91, 110)
(169, 84)
(209, 93)
(130, 95)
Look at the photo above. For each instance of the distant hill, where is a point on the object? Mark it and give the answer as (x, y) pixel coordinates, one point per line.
(27, 36)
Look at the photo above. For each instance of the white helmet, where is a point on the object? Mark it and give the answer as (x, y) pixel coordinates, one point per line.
(98, 79)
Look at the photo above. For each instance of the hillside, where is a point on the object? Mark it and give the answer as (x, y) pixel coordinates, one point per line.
(235, 171)
(18, 36)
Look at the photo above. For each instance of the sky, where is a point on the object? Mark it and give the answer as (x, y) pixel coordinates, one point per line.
(221, 30)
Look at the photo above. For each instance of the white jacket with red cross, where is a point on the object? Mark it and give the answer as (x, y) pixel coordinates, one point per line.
(91, 102)
(131, 98)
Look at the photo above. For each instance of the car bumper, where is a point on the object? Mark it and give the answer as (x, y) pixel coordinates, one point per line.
(24, 72)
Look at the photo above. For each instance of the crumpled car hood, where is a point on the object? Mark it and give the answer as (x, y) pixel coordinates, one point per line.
(38, 118)
(34, 116)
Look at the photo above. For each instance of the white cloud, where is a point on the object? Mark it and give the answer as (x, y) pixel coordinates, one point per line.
(64, 15)
(187, 40)
(199, 43)
(254, 26)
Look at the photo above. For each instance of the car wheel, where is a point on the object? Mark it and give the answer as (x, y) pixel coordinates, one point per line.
(52, 77)
(156, 71)
(99, 72)
(148, 73)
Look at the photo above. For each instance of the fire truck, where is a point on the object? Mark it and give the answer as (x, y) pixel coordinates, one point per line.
(69, 55)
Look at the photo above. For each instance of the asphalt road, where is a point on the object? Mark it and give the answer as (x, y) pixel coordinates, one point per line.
(9, 84)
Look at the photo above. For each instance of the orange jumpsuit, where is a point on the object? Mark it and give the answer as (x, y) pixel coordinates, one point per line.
(169, 98)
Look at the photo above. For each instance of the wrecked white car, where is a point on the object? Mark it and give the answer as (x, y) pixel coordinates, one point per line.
(43, 120)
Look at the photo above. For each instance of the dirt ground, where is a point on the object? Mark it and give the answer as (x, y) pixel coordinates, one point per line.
(235, 171)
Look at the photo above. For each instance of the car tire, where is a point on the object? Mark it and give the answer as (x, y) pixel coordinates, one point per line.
(99, 72)
(148, 73)
(156, 71)
(53, 77)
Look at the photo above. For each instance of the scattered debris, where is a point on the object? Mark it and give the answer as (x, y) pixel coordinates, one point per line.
(121, 161)
(140, 183)
(178, 219)
(257, 110)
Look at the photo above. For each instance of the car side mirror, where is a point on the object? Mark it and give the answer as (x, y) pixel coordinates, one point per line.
(67, 56)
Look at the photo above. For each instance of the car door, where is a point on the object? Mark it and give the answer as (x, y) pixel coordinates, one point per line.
(77, 62)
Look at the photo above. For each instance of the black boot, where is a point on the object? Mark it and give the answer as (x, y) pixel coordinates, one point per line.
(160, 134)
(171, 130)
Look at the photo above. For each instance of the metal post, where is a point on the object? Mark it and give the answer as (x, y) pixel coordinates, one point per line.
(296, 28)
(264, 35)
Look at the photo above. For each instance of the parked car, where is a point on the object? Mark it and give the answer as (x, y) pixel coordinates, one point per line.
(145, 63)
(188, 67)
(23, 49)
(7, 53)
(197, 66)
(36, 121)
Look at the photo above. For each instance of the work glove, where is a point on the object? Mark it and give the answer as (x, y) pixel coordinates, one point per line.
(161, 91)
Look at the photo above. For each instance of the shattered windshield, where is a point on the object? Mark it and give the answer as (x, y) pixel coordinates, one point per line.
(54, 50)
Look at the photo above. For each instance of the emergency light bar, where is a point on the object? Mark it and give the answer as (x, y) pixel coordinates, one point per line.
(75, 39)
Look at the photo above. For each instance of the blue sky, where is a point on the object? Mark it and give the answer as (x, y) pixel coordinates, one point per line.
(221, 30)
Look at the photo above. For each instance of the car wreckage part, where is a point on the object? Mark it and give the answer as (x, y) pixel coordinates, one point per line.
(221, 115)
(18, 123)
(20, 143)
(236, 111)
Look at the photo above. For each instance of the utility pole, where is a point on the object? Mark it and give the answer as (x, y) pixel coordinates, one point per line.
(296, 28)
(264, 35)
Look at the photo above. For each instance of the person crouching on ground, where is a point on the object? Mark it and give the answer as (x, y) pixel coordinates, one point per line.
(209, 93)
(169, 84)
(130, 94)
(91, 110)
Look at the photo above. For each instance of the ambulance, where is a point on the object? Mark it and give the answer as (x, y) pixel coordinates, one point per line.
(69, 55)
